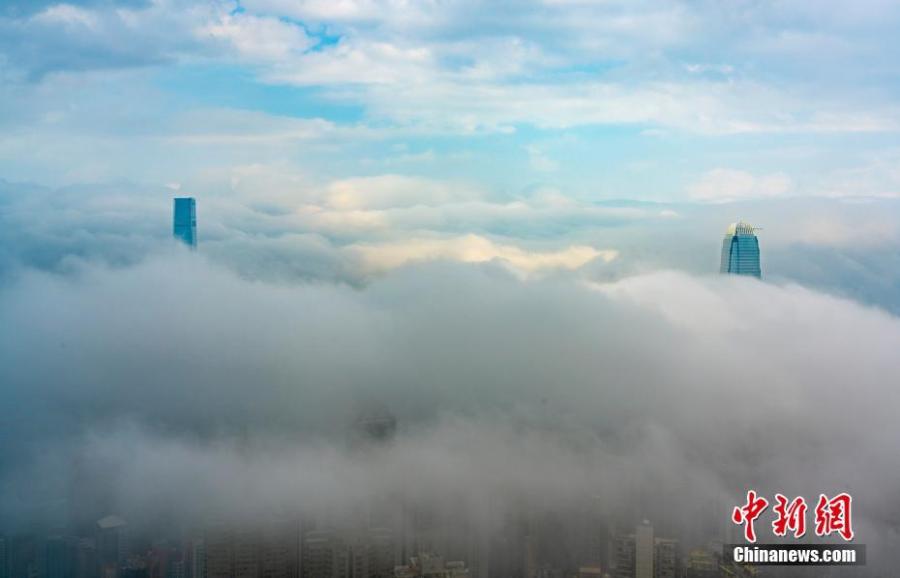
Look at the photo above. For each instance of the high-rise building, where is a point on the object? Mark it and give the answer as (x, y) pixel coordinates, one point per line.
(245, 553)
(643, 551)
(427, 565)
(23, 557)
(59, 556)
(278, 549)
(643, 555)
(198, 559)
(593, 535)
(262, 550)
(623, 550)
(112, 542)
(665, 559)
(380, 552)
(177, 569)
(740, 250)
(86, 559)
(218, 551)
(325, 555)
(4, 557)
(701, 563)
(185, 220)
(348, 553)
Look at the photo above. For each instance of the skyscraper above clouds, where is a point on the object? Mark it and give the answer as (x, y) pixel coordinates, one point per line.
(740, 250)
(185, 220)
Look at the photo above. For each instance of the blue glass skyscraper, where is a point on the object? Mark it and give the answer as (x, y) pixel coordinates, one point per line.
(740, 250)
(185, 220)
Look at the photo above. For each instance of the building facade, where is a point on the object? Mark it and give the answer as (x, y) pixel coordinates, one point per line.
(740, 250)
(4, 557)
(427, 565)
(185, 221)
(643, 555)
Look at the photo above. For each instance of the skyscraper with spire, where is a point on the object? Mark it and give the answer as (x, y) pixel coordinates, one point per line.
(740, 250)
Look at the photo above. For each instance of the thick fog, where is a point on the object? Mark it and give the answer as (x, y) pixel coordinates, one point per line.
(543, 359)
(174, 389)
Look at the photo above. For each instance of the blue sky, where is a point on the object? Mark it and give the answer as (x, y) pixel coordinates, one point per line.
(398, 131)
(651, 100)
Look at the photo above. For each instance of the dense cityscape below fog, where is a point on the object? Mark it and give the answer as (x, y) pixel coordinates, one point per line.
(386, 537)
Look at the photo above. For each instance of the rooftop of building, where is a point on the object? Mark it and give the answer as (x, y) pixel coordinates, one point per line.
(741, 228)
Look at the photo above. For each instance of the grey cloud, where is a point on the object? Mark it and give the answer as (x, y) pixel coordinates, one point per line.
(665, 393)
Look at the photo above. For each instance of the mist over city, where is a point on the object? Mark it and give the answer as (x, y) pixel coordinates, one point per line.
(372, 289)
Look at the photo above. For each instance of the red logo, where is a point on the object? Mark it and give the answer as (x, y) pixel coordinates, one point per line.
(790, 516)
(748, 514)
(832, 515)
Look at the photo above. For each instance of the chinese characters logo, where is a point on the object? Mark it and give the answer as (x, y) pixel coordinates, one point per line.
(832, 516)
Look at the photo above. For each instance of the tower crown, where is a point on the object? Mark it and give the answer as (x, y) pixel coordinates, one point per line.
(741, 228)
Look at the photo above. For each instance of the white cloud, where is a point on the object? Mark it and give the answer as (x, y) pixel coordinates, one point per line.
(697, 68)
(726, 185)
(444, 102)
(257, 38)
(351, 63)
(409, 66)
(351, 11)
(67, 15)
(448, 66)
(378, 258)
(539, 160)
(877, 175)
(221, 126)
(503, 390)
(831, 230)
(389, 191)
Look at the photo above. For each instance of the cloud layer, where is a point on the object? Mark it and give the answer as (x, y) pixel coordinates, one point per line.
(662, 392)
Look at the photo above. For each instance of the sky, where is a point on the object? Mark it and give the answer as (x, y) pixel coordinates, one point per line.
(500, 220)
(341, 139)
(601, 100)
